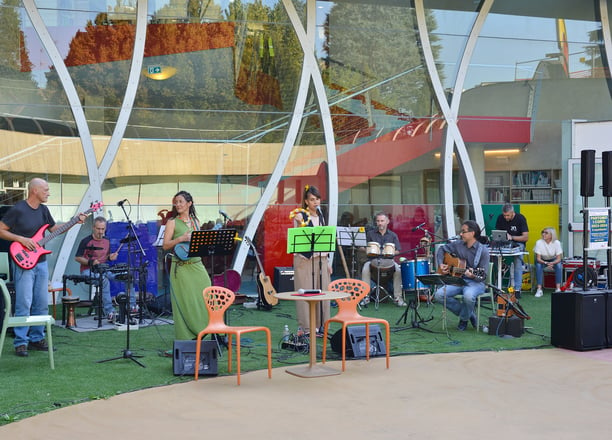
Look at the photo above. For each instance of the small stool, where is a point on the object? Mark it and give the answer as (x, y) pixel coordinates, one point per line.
(70, 303)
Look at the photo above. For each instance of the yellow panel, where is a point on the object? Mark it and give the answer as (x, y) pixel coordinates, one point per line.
(539, 217)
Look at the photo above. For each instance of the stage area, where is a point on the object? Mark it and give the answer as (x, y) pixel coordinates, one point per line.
(525, 394)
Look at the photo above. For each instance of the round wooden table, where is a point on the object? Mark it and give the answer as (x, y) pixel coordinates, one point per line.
(312, 369)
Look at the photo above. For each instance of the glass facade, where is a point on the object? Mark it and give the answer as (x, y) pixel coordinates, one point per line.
(223, 100)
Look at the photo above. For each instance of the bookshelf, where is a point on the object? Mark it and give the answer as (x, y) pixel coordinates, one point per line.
(525, 186)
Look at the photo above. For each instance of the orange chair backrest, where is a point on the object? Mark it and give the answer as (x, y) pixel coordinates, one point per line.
(356, 288)
(217, 300)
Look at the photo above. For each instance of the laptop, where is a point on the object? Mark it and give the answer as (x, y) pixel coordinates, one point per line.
(498, 235)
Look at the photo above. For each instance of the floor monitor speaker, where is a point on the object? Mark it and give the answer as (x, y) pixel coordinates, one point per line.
(356, 342)
(183, 358)
(578, 319)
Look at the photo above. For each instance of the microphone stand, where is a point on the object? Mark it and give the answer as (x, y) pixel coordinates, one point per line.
(131, 237)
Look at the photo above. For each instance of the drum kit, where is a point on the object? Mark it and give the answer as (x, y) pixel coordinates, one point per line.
(382, 266)
(95, 280)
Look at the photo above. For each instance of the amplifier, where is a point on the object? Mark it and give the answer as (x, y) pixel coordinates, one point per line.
(500, 326)
(283, 279)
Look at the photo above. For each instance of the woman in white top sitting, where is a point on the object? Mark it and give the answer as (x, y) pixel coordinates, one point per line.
(548, 254)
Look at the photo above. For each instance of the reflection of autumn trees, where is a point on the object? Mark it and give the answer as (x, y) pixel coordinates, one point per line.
(379, 44)
(15, 62)
(250, 57)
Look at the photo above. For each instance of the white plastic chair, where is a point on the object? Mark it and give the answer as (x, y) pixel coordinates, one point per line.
(27, 321)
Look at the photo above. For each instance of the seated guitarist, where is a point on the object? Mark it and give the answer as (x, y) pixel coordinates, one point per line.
(471, 263)
(21, 224)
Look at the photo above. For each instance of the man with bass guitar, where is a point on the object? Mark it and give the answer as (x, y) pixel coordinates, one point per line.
(23, 224)
(467, 258)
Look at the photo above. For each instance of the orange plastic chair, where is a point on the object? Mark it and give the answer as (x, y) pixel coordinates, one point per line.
(348, 315)
(217, 300)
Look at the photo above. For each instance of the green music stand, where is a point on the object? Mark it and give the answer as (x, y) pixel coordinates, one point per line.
(311, 239)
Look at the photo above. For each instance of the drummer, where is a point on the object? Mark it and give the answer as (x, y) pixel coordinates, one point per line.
(92, 254)
(388, 247)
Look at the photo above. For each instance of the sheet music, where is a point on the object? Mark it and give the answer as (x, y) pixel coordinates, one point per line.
(348, 234)
(159, 241)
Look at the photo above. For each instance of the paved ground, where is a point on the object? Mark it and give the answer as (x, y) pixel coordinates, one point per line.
(528, 394)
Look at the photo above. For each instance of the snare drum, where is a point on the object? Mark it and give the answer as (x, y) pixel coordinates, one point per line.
(373, 249)
(388, 250)
(410, 272)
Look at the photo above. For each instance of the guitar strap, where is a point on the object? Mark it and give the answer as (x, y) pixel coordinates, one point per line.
(478, 255)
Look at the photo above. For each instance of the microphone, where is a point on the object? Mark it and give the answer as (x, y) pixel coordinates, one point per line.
(224, 214)
(321, 218)
(416, 228)
(454, 237)
(121, 202)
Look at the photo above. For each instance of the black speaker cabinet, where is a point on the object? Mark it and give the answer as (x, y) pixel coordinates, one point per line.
(606, 173)
(283, 279)
(609, 318)
(183, 358)
(578, 319)
(587, 173)
(356, 342)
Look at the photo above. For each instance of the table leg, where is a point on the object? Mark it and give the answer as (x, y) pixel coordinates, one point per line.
(313, 370)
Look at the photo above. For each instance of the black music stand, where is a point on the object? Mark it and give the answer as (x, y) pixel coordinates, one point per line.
(213, 242)
(436, 279)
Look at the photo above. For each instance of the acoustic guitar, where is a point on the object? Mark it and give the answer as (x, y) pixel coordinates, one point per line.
(27, 259)
(457, 267)
(267, 292)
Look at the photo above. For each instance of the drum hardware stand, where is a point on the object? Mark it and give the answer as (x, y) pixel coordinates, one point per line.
(100, 271)
(416, 320)
(130, 238)
(413, 302)
(377, 299)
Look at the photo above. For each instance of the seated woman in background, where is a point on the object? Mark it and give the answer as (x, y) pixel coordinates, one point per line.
(548, 253)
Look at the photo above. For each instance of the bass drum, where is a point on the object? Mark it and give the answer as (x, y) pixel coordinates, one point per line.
(410, 270)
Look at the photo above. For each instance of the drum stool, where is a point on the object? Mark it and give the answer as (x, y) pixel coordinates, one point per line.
(70, 302)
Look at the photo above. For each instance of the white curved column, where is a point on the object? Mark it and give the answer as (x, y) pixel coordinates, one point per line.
(134, 77)
(450, 113)
(310, 70)
(605, 28)
(81, 123)
(96, 175)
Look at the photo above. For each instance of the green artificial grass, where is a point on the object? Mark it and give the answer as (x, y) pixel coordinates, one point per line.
(30, 387)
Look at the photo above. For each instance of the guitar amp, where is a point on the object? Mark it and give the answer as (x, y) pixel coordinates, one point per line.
(283, 279)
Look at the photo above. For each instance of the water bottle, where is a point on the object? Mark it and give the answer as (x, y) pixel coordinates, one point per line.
(286, 333)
